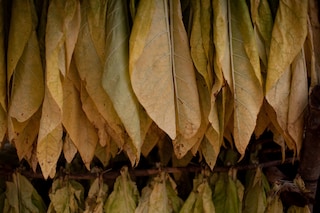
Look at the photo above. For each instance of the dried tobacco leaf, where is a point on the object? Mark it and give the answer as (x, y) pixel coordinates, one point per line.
(97, 196)
(257, 187)
(116, 79)
(164, 83)
(62, 29)
(200, 198)
(80, 130)
(159, 196)
(24, 77)
(125, 195)
(246, 85)
(66, 196)
(22, 197)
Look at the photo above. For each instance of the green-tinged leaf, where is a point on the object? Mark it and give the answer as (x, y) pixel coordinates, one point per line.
(21, 197)
(225, 194)
(159, 196)
(96, 196)
(255, 198)
(104, 153)
(200, 199)
(61, 34)
(262, 20)
(3, 75)
(288, 36)
(297, 209)
(80, 130)
(246, 76)
(200, 39)
(124, 197)
(90, 70)
(116, 79)
(164, 80)
(66, 196)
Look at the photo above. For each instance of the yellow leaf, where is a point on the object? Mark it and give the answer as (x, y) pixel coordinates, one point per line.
(288, 35)
(25, 134)
(81, 131)
(69, 149)
(181, 144)
(96, 119)
(200, 41)
(159, 77)
(25, 71)
(96, 15)
(262, 20)
(61, 34)
(246, 76)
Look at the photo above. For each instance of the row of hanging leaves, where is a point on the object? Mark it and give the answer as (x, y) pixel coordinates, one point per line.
(212, 192)
(78, 76)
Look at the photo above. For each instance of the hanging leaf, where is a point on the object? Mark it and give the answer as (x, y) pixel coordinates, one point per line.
(127, 191)
(262, 21)
(257, 186)
(221, 98)
(210, 147)
(96, 196)
(24, 62)
(226, 194)
(246, 76)
(95, 117)
(3, 78)
(288, 35)
(309, 49)
(69, 149)
(182, 145)
(90, 70)
(200, 198)
(61, 34)
(159, 196)
(200, 39)
(164, 80)
(284, 92)
(66, 196)
(80, 130)
(22, 197)
(25, 75)
(116, 79)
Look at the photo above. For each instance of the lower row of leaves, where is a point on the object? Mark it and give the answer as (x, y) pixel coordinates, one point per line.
(212, 192)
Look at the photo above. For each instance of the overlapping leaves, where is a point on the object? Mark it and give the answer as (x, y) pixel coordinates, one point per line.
(88, 77)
